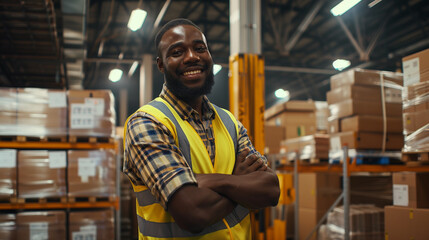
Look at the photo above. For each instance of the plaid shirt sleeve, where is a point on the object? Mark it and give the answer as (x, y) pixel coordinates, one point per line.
(245, 143)
(153, 159)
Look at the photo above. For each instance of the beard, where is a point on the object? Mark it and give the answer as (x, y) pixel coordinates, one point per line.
(185, 93)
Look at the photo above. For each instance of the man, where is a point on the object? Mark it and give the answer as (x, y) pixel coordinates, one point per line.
(191, 163)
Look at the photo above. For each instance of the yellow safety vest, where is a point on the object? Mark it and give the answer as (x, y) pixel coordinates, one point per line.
(153, 221)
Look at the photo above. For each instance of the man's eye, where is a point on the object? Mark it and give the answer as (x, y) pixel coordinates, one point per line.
(176, 53)
(201, 49)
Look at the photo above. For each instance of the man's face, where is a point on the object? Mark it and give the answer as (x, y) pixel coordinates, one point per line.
(186, 62)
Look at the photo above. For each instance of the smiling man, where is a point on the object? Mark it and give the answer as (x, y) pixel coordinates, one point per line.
(192, 166)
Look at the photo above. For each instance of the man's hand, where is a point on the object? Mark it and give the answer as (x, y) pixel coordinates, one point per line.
(246, 163)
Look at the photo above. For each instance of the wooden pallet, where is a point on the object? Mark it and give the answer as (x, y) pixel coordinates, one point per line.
(43, 200)
(83, 139)
(33, 139)
(91, 199)
(415, 158)
(8, 200)
(315, 160)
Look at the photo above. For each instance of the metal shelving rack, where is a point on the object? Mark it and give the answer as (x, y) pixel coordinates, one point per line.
(111, 203)
(346, 168)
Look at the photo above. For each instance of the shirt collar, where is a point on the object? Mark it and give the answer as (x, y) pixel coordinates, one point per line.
(183, 109)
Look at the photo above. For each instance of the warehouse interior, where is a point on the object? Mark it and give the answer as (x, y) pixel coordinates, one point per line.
(56, 57)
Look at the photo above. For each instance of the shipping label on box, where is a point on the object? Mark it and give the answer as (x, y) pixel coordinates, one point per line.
(39, 230)
(82, 116)
(400, 195)
(411, 70)
(57, 99)
(57, 159)
(7, 158)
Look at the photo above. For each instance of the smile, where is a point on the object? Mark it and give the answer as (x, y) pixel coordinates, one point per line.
(191, 72)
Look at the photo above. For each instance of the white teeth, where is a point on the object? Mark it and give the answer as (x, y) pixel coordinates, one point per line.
(191, 72)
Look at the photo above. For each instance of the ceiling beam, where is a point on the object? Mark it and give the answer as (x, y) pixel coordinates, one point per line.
(303, 25)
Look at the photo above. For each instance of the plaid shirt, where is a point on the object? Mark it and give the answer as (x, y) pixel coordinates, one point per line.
(152, 157)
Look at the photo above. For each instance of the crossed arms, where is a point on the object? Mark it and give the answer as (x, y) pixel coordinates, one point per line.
(252, 185)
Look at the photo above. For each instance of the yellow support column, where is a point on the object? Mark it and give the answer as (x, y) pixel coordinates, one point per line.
(247, 103)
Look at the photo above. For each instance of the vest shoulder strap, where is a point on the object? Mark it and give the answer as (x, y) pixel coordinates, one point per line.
(230, 123)
(184, 145)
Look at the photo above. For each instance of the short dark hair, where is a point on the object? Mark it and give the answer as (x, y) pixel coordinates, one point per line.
(171, 24)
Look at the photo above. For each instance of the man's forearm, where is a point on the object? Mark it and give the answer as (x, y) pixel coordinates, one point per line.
(254, 190)
(195, 208)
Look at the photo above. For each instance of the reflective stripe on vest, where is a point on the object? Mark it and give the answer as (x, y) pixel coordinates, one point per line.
(183, 140)
(172, 230)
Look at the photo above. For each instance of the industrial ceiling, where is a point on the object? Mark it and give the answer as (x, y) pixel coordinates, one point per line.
(75, 43)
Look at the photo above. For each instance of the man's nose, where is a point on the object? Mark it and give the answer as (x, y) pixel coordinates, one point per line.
(191, 56)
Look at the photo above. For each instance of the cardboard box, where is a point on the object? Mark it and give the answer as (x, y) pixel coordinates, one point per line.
(318, 190)
(91, 113)
(308, 219)
(309, 147)
(41, 112)
(416, 90)
(91, 173)
(364, 123)
(366, 222)
(410, 189)
(414, 121)
(8, 226)
(273, 136)
(41, 173)
(365, 141)
(8, 111)
(414, 66)
(8, 173)
(363, 93)
(97, 225)
(364, 77)
(406, 223)
(44, 225)
(377, 190)
(296, 124)
(352, 107)
(291, 106)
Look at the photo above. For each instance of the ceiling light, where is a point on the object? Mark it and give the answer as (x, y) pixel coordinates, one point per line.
(136, 19)
(280, 93)
(115, 75)
(216, 68)
(373, 3)
(340, 64)
(343, 7)
(133, 68)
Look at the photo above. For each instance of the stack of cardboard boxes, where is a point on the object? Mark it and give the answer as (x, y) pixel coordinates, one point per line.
(41, 174)
(91, 173)
(416, 102)
(409, 215)
(91, 225)
(364, 106)
(41, 225)
(313, 147)
(8, 174)
(91, 113)
(317, 192)
(36, 112)
(41, 113)
(366, 222)
(8, 226)
(8, 104)
(288, 120)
